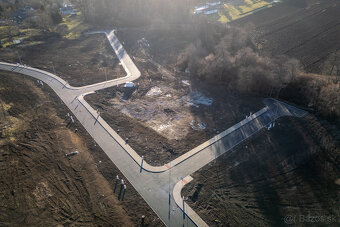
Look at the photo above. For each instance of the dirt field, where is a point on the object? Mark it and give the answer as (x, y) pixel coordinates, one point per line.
(291, 170)
(87, 60)
(168, 110)
(39, 185)
(306, 30)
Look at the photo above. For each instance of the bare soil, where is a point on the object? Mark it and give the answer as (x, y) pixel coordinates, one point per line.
(292, 169)
(39, 185)
(87, 60)
(306, 30)
(162, 113)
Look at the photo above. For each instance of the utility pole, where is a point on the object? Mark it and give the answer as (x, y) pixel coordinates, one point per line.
(170, 188)
(53, 69)
(19, 58)
(141, 165)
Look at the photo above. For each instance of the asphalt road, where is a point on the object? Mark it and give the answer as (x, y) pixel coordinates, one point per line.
(154, 184)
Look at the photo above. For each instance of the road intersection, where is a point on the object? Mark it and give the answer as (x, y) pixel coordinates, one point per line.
(156, 184)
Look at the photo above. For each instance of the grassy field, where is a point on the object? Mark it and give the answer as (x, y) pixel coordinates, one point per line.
(8, 33)
(240, 8)
(71, 28)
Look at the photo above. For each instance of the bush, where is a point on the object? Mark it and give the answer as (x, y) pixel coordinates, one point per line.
(320, 93)
(234, 60)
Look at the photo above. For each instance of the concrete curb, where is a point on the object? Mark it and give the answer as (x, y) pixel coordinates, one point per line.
(126, 147)
(78, 93)
(187, 212)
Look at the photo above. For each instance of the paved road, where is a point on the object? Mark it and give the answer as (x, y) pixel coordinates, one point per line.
(154, 183)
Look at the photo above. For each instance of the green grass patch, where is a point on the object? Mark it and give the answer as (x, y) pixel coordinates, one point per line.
(8, 33)
(238, 9)
(75, 26)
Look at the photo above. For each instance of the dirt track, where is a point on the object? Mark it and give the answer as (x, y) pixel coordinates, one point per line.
(39, 185)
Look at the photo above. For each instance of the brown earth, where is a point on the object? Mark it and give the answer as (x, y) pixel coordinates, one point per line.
(39, 185)
(158, 124)
(306, 30)
(291, 170)
(87, 60)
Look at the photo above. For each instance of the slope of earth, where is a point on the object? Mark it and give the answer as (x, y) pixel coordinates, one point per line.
(306, 30)
(290, 171)
(39, 184)
(87, 60)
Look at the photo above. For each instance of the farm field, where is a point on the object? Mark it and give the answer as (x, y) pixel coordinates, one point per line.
(236, 9)
(306, 30)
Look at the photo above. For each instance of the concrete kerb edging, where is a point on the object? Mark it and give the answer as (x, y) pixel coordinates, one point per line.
(110, 131)
(158, 169)
(65, 83)
(60, 80)
(116, 137)
(187, 211)
(131, 152)
(215, 139)
(147, 167)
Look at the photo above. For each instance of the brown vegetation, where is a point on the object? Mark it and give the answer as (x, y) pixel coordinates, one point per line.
(321, 93)
(235, 62)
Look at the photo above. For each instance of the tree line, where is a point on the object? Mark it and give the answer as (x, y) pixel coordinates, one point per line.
(228, 55)
(45, 13)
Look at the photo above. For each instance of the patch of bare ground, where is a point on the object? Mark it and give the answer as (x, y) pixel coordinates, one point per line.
(306, 30)
(163, 114)
(87, 60)
(39, 185)
(291, 170)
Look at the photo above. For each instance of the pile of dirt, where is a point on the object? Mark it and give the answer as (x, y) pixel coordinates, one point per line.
(87, 60)
(39, 184)
(291, 170)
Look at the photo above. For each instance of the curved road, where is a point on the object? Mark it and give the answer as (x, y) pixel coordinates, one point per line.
(155, 183)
